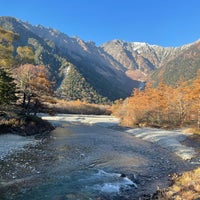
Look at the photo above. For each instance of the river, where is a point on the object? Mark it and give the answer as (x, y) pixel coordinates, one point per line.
(86, 161)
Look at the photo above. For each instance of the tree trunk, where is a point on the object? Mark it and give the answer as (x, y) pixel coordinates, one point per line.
(24, 100)
(36, 107)
(28, 105)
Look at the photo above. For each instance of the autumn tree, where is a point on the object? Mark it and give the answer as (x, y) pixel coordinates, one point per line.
(195, 98)
(162, 106)
(33, 84)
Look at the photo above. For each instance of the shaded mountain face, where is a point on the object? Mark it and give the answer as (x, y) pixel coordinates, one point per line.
(110, 71)
(97, 66)
(57, 51)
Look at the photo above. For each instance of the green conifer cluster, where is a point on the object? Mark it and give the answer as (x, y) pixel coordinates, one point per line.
(76, 87)
(7, 85)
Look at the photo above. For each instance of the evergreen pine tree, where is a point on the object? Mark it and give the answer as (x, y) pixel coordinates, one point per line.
(7, 88)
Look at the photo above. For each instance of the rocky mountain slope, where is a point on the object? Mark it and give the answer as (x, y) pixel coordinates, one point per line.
(111, 70)
(141, 59)
(89, 59)
(183, 66)
(57, 51)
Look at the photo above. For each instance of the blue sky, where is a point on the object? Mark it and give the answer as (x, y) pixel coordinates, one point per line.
(161, 22)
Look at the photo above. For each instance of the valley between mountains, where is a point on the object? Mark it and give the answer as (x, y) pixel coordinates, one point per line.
(107, 72)
(43, 70)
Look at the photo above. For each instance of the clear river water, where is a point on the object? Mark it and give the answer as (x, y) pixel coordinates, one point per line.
(79, 161)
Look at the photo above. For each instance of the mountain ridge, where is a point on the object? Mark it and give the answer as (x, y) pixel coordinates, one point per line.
(105, 80)
(142, 59)
(112, 69)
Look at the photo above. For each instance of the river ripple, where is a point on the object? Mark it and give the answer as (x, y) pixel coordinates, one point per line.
(77, 161)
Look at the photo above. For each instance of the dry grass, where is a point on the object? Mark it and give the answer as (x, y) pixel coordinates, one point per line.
(185, 187)
(77, 107)
(25, 125)
(191, 130)
(197, 132)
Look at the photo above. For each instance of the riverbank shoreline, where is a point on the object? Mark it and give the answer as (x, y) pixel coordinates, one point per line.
(26, 125)
(11, 143)
(17, 136)
(178, 142)
(98, 133)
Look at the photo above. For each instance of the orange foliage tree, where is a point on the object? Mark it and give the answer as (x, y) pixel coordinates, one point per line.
(195, 99)
(33, 83)
(161, 106)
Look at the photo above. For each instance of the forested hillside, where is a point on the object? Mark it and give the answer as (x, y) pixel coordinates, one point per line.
(7, 62)
(22, 88)
(82, 71)
(75, 87)
(56, 51)
(184, 66)
(147, 62)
